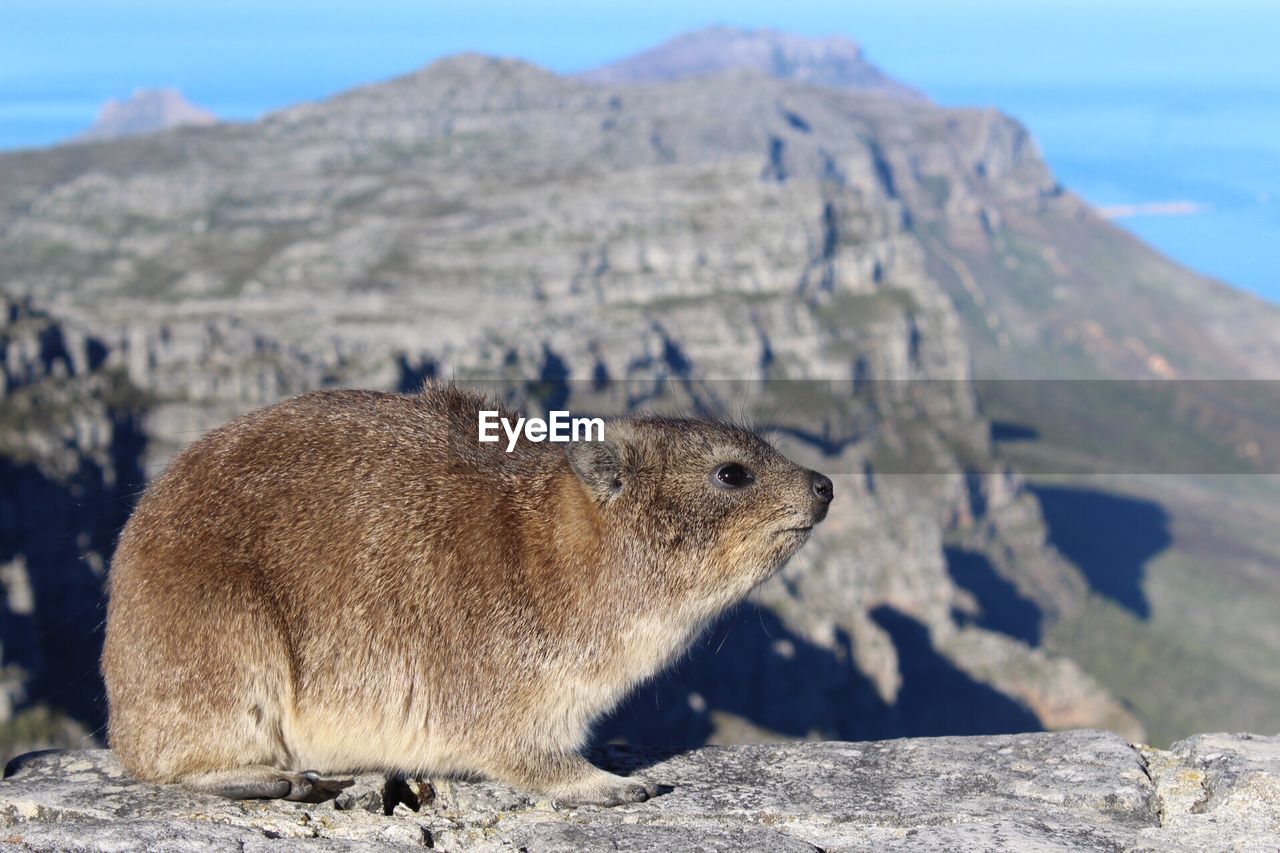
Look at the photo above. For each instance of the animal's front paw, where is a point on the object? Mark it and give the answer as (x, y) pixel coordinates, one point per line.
(606, 789)
(258, 782)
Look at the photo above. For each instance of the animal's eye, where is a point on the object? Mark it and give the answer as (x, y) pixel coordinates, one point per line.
(732, 476)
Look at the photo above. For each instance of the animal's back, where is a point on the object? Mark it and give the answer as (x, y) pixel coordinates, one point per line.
(261, 584)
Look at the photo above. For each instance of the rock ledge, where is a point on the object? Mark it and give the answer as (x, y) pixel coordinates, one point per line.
(1080, 790)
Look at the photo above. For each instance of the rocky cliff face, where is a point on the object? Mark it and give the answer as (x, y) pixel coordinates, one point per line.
(71, 439)
(606, 249)
(1082, 790)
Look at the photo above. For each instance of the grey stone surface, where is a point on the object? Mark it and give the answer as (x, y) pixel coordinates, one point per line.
(1216, 792)
(1081, 790)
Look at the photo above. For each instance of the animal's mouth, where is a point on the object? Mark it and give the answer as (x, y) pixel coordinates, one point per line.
(804, 530)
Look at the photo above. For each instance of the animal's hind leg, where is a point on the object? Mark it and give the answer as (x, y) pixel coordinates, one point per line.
(254, 782)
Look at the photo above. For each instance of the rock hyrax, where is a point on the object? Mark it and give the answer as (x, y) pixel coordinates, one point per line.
(351, 581)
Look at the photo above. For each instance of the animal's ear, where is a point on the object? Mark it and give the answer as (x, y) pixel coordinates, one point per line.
(598, 464)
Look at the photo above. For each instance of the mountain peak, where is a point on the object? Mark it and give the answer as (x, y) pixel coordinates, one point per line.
(464, 81)
(146, 111)
(832, 60)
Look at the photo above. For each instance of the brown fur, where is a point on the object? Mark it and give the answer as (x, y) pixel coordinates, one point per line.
(350, 580)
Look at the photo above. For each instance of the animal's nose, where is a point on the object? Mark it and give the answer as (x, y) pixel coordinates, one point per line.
(822, 487)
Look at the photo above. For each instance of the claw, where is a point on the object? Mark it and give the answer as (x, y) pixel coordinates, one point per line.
(299, 790)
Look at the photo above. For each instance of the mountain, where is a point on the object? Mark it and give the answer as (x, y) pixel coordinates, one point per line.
(601, 248)
(146, 111)
(607, 247)
(1145, 415)
(831, 61)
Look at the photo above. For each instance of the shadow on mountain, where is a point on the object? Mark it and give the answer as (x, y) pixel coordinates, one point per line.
(49, 525)
(1110, 537)
(936, 698)
(1004, 609)
(413, 374)
(1009, 431)
(776, 683)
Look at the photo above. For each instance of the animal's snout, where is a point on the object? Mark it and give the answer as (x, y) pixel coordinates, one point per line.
(823, 491)
(822, 487)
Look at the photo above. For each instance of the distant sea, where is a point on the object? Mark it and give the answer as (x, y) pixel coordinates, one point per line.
(1216, 151)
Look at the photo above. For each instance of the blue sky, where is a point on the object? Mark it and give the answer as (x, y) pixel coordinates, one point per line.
(1131, 100)
(244, 55)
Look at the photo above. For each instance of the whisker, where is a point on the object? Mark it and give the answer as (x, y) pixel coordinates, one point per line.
(765, 628)
(724, 639)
